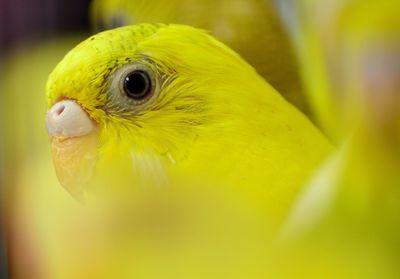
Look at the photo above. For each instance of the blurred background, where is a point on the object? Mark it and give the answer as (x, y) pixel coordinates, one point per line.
(338, 61)
(38, 20)
(25, 29)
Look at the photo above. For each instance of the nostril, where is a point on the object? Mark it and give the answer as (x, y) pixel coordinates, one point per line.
(60, 110)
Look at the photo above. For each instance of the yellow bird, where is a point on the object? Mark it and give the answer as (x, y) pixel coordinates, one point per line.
(252, 28)
(152, 104)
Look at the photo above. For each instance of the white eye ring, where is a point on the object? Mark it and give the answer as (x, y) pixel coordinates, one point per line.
(139, 78)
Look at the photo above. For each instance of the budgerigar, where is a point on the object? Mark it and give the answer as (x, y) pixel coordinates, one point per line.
(176, 97)
(177, 127)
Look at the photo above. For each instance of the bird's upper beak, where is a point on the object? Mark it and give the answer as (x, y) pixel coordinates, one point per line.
(73, 136)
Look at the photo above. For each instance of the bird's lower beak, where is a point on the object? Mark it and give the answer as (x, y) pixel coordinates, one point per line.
(73, 138)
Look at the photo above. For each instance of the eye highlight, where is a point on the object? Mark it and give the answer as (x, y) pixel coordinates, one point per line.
(137, 85)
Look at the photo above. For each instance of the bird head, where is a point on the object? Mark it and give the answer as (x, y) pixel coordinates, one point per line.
(143, 93)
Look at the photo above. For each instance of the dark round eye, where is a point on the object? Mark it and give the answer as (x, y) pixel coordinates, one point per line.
(137, 85)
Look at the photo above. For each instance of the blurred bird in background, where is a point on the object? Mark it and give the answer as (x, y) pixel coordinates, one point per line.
(353, 47)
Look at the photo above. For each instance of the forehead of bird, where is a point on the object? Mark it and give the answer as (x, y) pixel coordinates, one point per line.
(192, 49)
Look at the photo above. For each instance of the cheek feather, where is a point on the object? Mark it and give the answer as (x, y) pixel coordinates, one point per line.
(150, 168)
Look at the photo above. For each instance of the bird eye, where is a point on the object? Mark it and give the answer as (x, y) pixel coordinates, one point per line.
(134, 85)
(137, 85)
